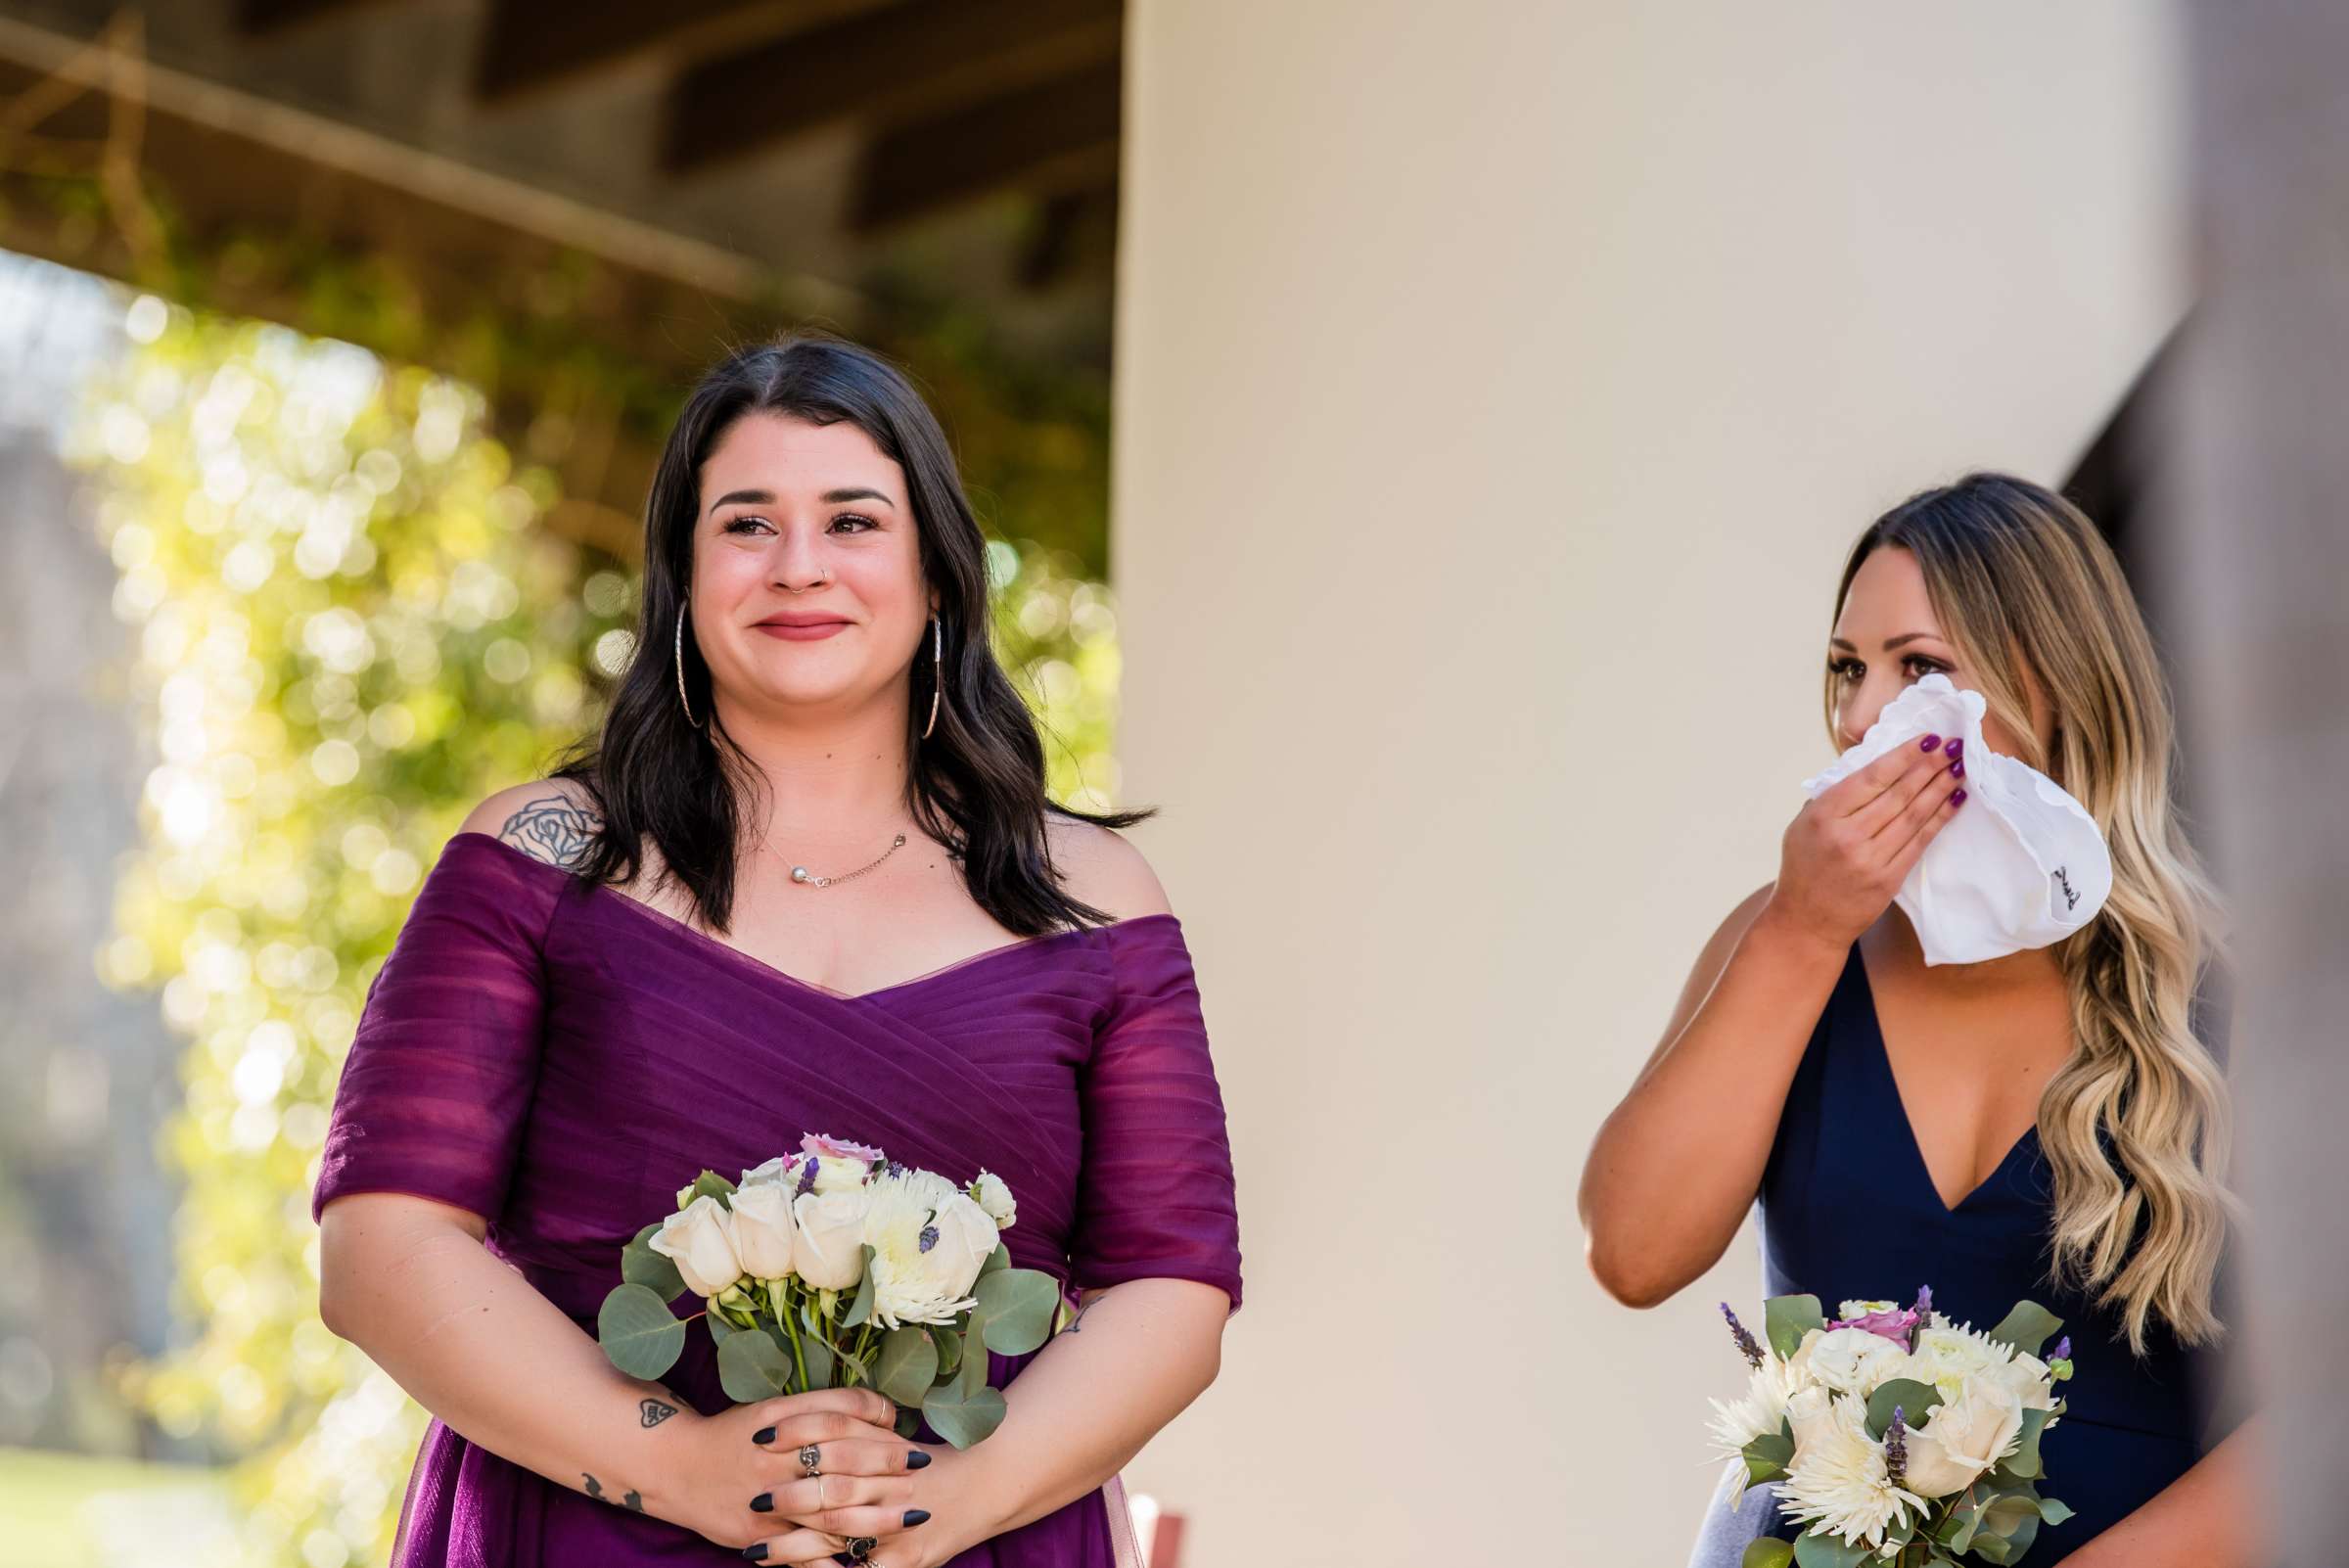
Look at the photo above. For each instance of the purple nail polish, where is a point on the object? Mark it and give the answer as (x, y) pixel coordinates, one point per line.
(1955, 748)
(1957, 799)
(1957, 770)
(1929, 743)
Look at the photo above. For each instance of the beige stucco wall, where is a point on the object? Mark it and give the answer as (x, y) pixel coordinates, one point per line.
(1499, 383)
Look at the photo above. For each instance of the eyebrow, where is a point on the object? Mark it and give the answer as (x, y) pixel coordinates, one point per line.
(1890, 643)
(831, 497)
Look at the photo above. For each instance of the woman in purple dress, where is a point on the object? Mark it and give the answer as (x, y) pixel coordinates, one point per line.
(807, 880)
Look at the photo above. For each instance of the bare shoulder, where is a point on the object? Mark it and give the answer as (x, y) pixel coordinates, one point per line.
(1100, 867)
(551, 819)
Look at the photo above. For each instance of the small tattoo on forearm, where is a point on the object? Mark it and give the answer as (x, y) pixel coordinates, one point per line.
(553, 829)
(631, 1502)
(656, 1412)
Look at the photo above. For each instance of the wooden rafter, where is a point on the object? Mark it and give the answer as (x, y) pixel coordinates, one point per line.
(919, 59)
(527, 45)
(1053, 136)
(270, 16)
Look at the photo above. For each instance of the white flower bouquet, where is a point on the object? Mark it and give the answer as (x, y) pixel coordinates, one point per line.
(836, 1268)
(1894, 1435)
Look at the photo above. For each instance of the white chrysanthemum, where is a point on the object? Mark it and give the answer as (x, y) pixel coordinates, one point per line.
(1758, 1412)
(1949, 1356)
(916, 1278)
(1838, 1482)
(1862, 1309)
(928, 1187)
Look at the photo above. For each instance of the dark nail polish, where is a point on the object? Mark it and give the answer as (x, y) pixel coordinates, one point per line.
(917, 1461)
(755, 1551)
(763, 1436)
(1959, 799)
(1929, 743)
(915, 1516)
(1957, 770)
(764, 1503)
(1957, 747)
(843, 1559)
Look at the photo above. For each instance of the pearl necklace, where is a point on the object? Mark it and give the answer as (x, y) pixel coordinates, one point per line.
(809, 879)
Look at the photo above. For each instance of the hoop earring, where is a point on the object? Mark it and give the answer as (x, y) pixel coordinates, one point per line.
(683, 701)
(938, 671)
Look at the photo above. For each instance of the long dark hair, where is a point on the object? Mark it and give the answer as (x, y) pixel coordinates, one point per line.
(976, 785)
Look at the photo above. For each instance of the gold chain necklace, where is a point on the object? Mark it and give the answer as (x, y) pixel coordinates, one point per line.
(809, 879)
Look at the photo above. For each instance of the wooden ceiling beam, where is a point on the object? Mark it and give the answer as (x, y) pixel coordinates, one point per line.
(459, 246)
(273, 16)
(915, 60)
(531, 45)
(1051, 137)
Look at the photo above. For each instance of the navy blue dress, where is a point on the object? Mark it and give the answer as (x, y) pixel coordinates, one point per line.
(1849, 1211)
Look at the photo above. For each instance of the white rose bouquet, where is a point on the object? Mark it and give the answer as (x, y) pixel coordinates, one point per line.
(1896, 1436)
(836, 1268)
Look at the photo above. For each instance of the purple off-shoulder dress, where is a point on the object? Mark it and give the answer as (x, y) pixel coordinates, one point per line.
(560, 1059)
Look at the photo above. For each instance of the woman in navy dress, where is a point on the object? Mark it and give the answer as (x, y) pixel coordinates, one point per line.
(2044, 1125)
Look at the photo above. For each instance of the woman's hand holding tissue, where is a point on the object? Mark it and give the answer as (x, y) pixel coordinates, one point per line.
(1847, 852)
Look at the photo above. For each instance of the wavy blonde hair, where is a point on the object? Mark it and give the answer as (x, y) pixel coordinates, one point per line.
(2137, 1123)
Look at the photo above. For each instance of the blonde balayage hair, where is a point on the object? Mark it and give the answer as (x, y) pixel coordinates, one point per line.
(2136, 1125)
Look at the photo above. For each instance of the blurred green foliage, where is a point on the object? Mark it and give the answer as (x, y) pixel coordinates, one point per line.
(349, 628)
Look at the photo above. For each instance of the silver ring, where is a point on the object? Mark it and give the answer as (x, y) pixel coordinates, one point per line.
(860, 1549)
(811, 1458)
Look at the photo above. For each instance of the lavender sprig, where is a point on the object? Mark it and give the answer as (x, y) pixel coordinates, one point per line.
(1746, 1347)
(1896, 1448)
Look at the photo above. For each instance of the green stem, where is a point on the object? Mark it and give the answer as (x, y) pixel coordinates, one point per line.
(790, 1327)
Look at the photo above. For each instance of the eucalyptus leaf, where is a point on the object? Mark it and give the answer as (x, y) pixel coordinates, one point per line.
(963, 1421)
(710, 1184)
(1768, 1552)
(752, 1367)
(910, 1422)
(1001, 1257)
(1994, 1548)
(906, 1365)
(821, 1365)
(861, 1308)
(1017, 1306)
(720, 1326)
(1787, 1318)
(638, 1332)
(975, 1367)
(2027, 1327)
(1906, 1395)
(639, 1264)
(2025, 1463)
(2052, 1511)
(2007, 1514)
(1767, 1458)
(1826, 1552)
(950, 1351)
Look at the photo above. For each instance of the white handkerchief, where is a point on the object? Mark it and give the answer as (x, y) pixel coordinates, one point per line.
(2020, 865)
